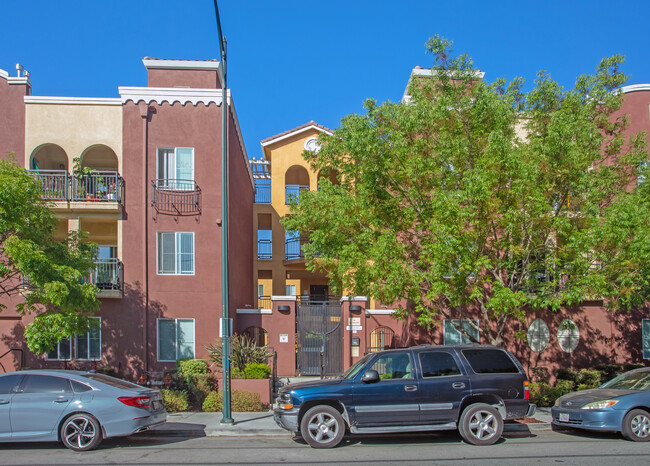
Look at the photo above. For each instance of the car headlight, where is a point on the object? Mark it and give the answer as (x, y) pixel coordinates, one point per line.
(600, 404)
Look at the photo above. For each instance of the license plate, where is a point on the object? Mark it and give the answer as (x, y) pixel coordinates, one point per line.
(564, 417)
(157, 404)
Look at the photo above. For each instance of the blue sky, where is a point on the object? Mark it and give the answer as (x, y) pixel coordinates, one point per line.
(294, 61)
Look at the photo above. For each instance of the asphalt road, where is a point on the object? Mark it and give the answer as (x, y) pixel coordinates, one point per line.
(541, 447)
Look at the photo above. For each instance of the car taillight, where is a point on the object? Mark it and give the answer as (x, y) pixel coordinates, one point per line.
(526, 391)
(137, 401)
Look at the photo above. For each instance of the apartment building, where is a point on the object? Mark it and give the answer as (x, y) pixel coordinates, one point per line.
(141, 173)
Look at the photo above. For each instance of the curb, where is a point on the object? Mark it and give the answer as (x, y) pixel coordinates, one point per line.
(226, 432)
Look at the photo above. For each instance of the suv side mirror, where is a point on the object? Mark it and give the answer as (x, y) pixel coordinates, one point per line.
(370, 376)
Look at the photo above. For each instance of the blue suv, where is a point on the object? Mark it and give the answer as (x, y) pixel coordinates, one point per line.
(472, 388)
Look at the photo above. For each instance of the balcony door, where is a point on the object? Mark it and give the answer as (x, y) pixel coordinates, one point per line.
(176, 168)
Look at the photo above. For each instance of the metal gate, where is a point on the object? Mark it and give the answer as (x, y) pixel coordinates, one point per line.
(320, 341)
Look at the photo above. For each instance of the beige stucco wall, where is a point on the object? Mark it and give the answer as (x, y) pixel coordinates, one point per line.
(73, 127)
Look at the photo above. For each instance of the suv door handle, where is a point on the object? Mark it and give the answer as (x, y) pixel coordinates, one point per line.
(410, 388)
(458, 385)
(4, 402)
(60, 400)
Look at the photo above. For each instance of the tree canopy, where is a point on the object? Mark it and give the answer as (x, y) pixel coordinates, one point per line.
(474, 198)
(46, 275)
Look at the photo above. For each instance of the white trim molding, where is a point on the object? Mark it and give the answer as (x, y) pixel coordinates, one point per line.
(30, 99)
(254, 311)
(21, 80)
(159, 63)
(4, 74)
(635, 88)
(354, 298)
(293, 133)
(380, 312)
(171, 95)
(283, 298)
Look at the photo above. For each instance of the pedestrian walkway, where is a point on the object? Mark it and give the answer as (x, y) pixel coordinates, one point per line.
(263, 425)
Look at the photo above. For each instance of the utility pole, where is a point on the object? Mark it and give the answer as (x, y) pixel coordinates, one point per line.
(225, 321)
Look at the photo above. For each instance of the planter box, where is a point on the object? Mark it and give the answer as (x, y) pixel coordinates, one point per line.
(261, 386)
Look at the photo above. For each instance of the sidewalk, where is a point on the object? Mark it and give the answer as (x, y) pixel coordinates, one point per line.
(263, 425)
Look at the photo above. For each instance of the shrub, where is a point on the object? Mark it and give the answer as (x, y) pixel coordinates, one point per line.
(540, 374)
(200, 385)
(540, 393)
(566, 374)
(241, 401)
(244, 352)
(257, 371)
(174, 400)
(190, 367)
(588, 378)
(212, 403)
(237, 374)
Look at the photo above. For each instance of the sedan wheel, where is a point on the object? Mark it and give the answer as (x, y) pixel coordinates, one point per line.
(81, 432)
(322, 427)
(480, 424)
(636, 425)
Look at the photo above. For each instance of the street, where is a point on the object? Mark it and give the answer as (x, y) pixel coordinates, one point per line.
(538, 447)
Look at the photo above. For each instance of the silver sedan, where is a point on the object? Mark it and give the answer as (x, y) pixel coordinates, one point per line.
(77, 408)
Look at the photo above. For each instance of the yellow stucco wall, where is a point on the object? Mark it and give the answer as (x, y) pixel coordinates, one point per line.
(73, 127)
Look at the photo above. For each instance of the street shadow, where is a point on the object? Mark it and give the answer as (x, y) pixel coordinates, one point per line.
(137, 440)
(255, 418)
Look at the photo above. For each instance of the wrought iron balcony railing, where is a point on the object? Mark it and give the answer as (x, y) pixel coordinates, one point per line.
(55, 184)
(264, 249)
(176, 197)
(293, 247)
(292, 192)
(107, 274)
(264, 302)
(98, 185)
(262, 191)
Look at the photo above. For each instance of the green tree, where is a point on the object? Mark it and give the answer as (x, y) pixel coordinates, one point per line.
(42, 276)
(477, 198)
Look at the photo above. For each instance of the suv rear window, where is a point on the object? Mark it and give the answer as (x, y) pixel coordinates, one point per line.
(490, 361)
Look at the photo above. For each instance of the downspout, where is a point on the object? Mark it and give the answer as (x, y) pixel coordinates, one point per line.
(144, 113)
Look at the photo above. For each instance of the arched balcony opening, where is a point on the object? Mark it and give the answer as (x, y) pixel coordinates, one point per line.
(296, 179)
(259, 336)
(49, 165)
(328, 174)
(96, 177)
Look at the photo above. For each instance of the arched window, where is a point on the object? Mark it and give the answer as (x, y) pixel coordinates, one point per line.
(381, 338)
(258, 335)
(538, 335)
(296, 179)
(568, 335)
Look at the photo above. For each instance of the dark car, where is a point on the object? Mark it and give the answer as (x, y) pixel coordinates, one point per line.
(472, 388)
(79, 409)
(620, 405)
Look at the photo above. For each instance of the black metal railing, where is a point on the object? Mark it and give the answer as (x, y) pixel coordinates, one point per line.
(98, 185)
(292, 192)
(107, 274)
(176, 197)
(262, 191)
(55, 183)
(293, 247)
(103, 186)
(264, 249)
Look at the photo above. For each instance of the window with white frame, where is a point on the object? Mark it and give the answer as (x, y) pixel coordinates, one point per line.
(175, 339)
(260, 290)
(176, 168)
(453, 335)
(290, 290)
(88, 346)
(175, 253)
(646, 338)
(538, 335)
(61, 352)
(568, 335)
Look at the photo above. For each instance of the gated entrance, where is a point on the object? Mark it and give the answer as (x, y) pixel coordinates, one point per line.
(320, 331)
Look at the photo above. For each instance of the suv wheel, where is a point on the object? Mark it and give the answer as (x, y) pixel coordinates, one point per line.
(322, 427)
(636, 426)
(480, 424)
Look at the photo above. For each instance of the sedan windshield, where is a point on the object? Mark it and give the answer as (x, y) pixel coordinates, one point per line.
(630, 381)
(352, 372)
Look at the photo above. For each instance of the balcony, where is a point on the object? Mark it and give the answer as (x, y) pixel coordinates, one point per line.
(176, 197)
(95, 186)
(292, 192)
(293, 248)
(108, 277)
(262, 191)
(264, 249)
